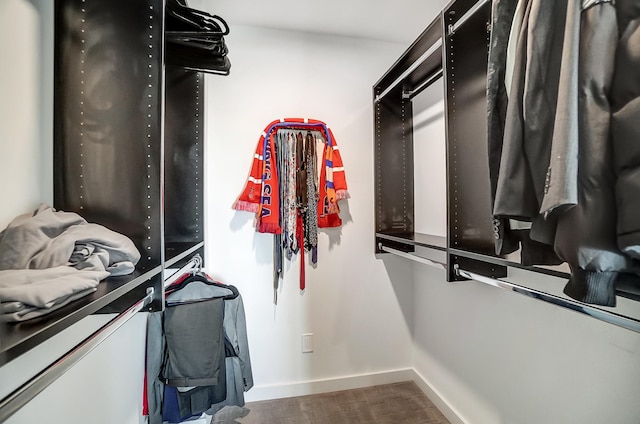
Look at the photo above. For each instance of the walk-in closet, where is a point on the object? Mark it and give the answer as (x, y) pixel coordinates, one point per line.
(228, 211)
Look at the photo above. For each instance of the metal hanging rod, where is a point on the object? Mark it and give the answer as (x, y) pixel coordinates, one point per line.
(194, 263)
(410, 94)
(583, 308)
(434, 47)
(415, 258)
(23, 394)
(454, 27)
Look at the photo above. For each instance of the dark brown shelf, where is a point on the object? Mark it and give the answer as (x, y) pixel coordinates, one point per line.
(176, 252)
(18, 338)
(429, 37)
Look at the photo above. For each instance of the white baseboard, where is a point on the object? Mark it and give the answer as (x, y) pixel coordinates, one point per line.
(438, 400)
(278, 391)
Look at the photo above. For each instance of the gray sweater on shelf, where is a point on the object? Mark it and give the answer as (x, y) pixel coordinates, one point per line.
(49, 258)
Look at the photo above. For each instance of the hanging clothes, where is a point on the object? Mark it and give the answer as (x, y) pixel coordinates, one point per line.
(256, 193)
(290, 209)
(625, 127)
(197, 351)
(298, 160)
(520, 68)
(555, 167)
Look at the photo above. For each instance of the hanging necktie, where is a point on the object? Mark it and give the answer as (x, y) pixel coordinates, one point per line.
(311, 213)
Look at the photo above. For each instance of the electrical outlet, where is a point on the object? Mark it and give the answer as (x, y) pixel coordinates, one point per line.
(307, 343)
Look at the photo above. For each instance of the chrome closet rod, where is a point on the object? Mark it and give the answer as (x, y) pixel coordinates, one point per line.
(195, 262)
(23, 394)
(453, 28)
(574, 305)
(412, 257)
(411, 94)
(434, 47)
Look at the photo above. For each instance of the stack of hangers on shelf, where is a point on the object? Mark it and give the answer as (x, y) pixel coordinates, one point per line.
(195, 39)
(295, 182)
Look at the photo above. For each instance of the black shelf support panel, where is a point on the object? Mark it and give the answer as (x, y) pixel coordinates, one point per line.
(128, 155)
(469, 201)
(184, 161)
(108, 117)
(393, 132)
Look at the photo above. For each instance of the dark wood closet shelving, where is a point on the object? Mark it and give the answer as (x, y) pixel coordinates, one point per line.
(18, 338)
(455, 46)
(176, 253)
(412, 69)
(425, 248)
(416, 239)
(394, 187)
(118, 131)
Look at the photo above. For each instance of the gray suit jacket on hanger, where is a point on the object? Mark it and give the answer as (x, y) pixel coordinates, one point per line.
(556, 166)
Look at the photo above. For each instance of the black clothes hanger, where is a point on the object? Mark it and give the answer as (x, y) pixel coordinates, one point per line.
(181, 17)
(213, 44)
(203, 279)
(187, 57)
(195, 39)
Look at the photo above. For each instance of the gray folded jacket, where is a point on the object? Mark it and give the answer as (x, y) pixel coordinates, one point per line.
(28, 293)
(50, 258)
(50, 238)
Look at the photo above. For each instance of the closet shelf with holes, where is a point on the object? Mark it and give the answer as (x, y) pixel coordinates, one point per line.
(118, 133)
(455, 50)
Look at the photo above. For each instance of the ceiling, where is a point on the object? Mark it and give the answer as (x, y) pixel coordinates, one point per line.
(389, 20)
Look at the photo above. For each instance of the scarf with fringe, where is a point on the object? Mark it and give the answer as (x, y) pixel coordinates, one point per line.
(309, 202)
(260, 194)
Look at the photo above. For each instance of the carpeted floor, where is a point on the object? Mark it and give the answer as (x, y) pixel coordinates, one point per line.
(399, 403)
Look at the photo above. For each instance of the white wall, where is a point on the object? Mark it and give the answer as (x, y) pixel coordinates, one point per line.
(500, 358)
(361, 320)
(429, 161)
(26, 106)
(105, 387)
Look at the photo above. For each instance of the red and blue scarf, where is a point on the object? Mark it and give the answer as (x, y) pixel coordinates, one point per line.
(260, 194)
